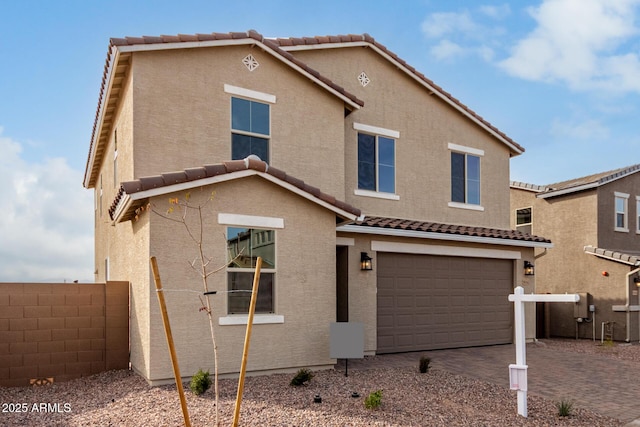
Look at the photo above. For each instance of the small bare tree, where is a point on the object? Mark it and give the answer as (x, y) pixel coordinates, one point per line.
(201, 264)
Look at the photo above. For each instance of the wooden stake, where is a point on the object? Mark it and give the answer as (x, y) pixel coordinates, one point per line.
(172, 350)
(247, 337)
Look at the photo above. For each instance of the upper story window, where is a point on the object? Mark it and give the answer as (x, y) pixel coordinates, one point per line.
(621, 212)
(244, 246)
(250, 123)
(524, 220)
(465, 177)
(376, 161)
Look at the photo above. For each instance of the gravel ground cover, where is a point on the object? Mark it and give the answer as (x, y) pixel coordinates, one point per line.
(437, 398)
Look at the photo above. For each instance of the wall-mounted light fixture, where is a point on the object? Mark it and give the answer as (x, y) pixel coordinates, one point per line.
(636, 280)
(529, 269)
(366, 262)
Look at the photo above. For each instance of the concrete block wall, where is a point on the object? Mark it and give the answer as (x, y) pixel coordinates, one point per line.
(62, 330)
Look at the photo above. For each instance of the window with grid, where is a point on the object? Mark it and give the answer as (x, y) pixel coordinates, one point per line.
(465, 178)
(376, 163)
(524, 220)
(621, 212)
(244, 246)
(250, 129)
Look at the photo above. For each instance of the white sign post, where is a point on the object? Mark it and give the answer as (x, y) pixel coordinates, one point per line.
(518, 372)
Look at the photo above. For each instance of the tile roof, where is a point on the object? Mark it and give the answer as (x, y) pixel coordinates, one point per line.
(195, 176)
(630, 258)
(366, 38)
(462, 230)
(577, 184)
(526, 186)
(598, 178)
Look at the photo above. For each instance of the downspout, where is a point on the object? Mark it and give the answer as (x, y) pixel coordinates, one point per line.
(627, 280)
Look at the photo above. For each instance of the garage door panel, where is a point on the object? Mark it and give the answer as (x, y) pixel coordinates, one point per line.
(430, 302)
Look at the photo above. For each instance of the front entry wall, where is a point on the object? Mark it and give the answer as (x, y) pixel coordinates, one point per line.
(428, 302)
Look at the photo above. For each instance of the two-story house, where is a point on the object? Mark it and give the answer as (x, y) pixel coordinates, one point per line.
(374, 196)
(594, 223)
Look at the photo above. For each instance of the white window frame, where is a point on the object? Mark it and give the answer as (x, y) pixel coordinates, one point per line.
(473, 152)
(637, 214)
(253, 96)
(387, 133)
(264, 223)
(530, 224)
(625, 198)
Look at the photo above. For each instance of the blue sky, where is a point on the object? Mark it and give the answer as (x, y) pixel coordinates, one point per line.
(560, 77)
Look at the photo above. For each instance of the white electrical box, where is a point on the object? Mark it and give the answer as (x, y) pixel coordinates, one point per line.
(518, 377)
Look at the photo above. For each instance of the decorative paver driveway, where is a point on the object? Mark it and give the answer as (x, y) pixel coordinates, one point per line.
(602, 384)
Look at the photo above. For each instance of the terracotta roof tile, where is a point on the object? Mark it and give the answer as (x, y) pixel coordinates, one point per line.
(577, 184)
(196, 174)
(463, 230)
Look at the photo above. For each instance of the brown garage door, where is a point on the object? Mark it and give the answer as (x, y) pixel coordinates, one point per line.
(428, 302)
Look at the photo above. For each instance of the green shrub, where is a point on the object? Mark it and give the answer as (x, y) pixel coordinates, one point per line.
(374, 400)
(200, 382)
(565, 407)
(304, 375)
(424, 364)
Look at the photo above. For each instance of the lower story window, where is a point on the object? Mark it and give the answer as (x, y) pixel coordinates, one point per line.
(244, 246)
(241, 283)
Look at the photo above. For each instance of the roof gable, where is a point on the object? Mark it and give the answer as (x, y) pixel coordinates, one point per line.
(353, 40)
(119, 59)
(133, 195)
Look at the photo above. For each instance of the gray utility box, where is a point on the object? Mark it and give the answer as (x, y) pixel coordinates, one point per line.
(581, 308)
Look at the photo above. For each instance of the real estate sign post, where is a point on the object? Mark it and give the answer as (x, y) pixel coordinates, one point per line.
(518, 372)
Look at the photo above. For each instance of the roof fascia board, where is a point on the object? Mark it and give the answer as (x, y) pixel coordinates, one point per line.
(140, 195)
(184, 45)
(410, 74)
(568, 190)
(115, 55)
(335, 45)
(440, 236)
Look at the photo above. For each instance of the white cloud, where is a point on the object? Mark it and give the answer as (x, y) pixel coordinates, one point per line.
(441, 24)
(587, 130)
(496, 12)
(446, 49)
(47, 219)
(465, 33)
(580, 43)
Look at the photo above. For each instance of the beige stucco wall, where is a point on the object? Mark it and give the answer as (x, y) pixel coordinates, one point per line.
(394, 101)
(180, 102)
(304, 284)
(608, 237)
(571, 223)
(106, 245)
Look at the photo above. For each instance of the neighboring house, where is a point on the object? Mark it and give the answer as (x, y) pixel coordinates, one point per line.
(380, 163)
(594, 223)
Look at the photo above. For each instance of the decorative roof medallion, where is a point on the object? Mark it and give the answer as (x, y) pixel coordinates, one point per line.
(250, 62)
(363, 79)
